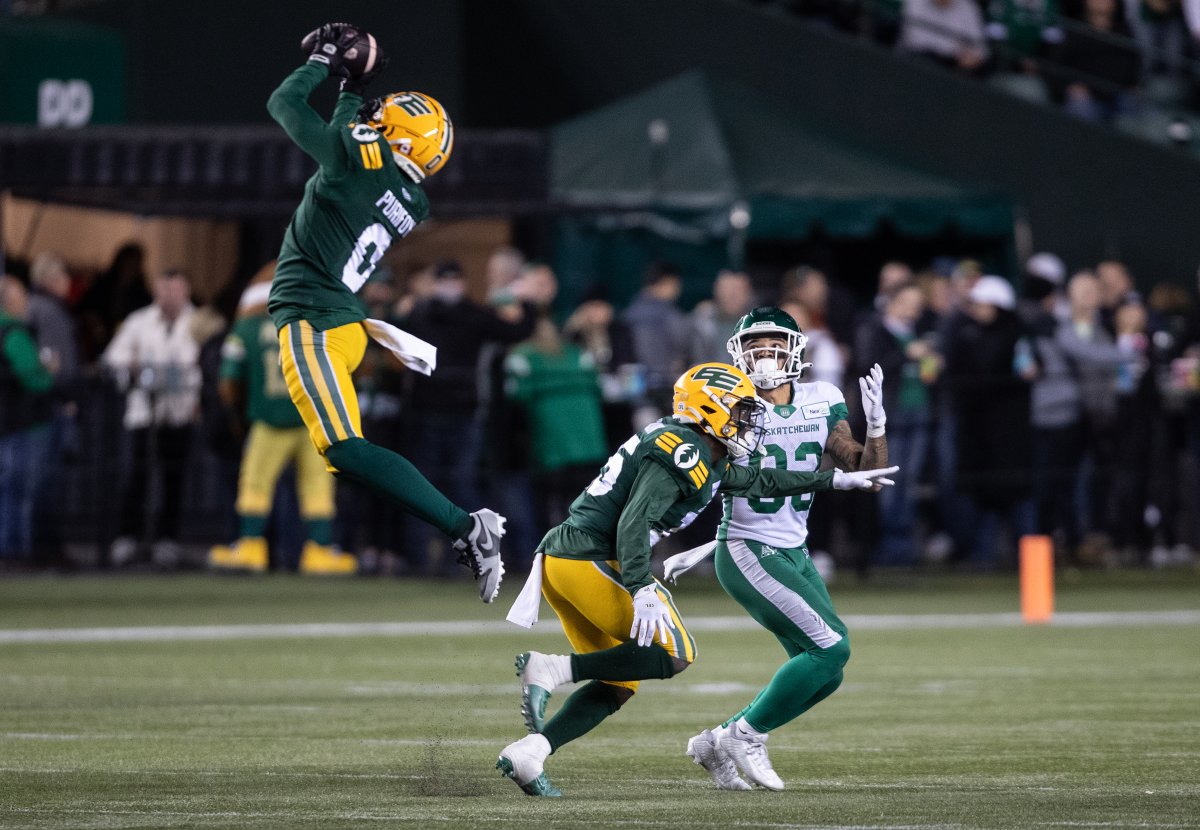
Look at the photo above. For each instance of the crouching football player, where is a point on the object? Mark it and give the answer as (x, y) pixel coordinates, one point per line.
(594, 568)
(365, 194)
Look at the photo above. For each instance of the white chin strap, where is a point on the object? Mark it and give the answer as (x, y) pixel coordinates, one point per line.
(767, 374)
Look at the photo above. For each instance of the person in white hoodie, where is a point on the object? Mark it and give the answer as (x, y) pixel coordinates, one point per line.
(154, 359)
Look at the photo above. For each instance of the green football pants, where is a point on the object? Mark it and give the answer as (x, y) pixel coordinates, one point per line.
(781, 589)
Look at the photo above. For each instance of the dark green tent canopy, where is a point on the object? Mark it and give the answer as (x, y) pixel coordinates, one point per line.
(721, 145)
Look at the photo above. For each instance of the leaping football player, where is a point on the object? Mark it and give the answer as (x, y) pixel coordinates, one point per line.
(761, 557)
(366, 193)
(594, 568)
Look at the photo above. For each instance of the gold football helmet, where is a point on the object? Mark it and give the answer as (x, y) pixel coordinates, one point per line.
(416, 127)
(720, 399)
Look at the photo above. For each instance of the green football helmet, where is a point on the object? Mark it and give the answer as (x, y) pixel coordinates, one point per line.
(768, 368)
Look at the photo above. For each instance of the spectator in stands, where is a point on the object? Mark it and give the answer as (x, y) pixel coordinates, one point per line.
(1116, 288)
(949, 32)
(511, 280)
(830, 306)
(1026, 27)
(712, 320)
(445, 429)
(1162, 34)
(826, 355)
(892, 275)
(594, 327)
(1047, 274)
(503, 268)
(113, 296)
(50, 320)
(910, 363)
(660, 338)
(154, 358)
(1138, 413)
(1094, 360)
(1100, 64)
(25, 415)
(991, 405)
(556, 382)
(1056, 413)
(418, 285)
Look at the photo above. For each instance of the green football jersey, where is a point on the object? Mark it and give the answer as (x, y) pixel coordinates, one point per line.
(355, 205)
(250, 356)
(656, 483)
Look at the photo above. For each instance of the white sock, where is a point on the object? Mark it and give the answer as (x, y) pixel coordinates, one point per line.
(744, 728)
(536, 743)
(559, 666)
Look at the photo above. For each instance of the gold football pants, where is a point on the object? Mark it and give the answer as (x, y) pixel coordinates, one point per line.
(317, 366)
(597, 612)
(268, 451)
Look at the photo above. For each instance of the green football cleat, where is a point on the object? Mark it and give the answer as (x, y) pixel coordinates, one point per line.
(535, 690)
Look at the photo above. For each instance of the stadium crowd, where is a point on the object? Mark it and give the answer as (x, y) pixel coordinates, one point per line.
(1070, 408)
(1098, 59)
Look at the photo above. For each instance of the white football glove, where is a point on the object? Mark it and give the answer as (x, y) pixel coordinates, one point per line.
(651, 615)
(863, 479)
(872, 401)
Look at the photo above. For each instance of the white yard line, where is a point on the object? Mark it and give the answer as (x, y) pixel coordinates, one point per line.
(458, 628)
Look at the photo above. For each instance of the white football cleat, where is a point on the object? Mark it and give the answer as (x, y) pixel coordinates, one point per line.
(523, 761)
(748, 749)
(705, 750)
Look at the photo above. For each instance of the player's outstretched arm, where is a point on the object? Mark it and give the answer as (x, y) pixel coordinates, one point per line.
(767, 482)
(289, 105)
(863, 479)
(848, 454)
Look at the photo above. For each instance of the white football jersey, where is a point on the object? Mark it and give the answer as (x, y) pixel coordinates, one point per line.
(795, 440)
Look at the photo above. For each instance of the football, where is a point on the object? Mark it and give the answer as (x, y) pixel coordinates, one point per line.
(361, 56)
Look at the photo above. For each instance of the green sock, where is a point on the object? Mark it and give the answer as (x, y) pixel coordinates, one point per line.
(801, 683)
(251, 526)
(583, 712)
(319, 531)
(394, 476)
(628, 661)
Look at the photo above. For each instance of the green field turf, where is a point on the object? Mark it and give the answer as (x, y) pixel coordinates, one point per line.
(990, 725)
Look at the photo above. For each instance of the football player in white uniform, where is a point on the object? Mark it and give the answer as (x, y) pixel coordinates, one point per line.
(761, 558)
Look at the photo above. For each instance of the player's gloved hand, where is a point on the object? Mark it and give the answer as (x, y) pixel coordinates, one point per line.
(358, 86)
(872, 401)
(651, 614)
(328, 44)
(863, 479)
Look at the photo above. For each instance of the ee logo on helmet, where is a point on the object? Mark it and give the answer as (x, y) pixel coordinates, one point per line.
(717, 378)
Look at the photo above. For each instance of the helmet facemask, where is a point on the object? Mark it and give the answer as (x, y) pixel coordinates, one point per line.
(747, 422)
(769, 366)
